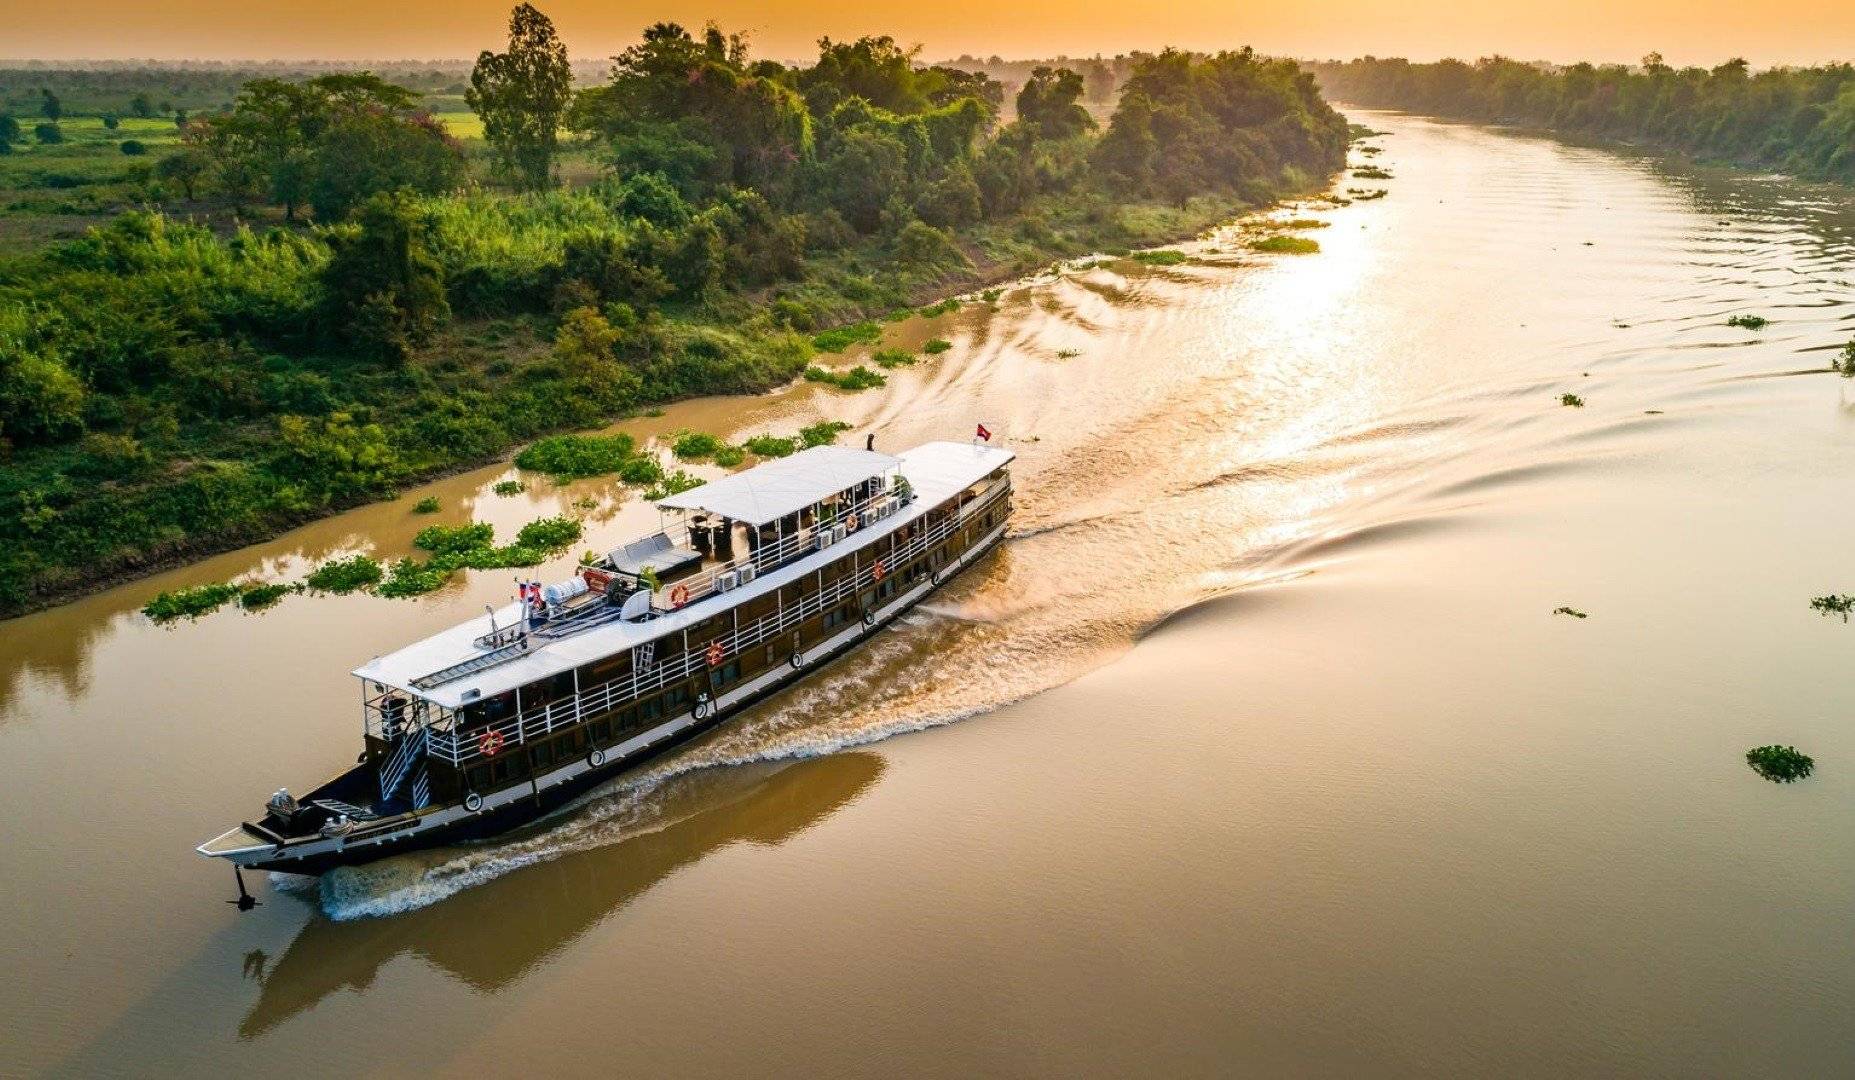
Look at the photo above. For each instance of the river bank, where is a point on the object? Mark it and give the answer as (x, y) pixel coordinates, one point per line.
(993, 254)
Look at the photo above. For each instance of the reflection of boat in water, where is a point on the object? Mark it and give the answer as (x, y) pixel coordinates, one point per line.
(500, 720)
(489, 935)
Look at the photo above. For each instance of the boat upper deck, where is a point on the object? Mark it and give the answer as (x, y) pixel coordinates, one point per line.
(936, 472)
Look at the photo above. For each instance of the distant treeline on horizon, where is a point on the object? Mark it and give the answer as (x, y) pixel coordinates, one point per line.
(1799, 120)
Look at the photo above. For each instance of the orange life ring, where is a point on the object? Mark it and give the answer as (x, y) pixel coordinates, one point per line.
(490, 743)
(679, 596)
(715, 654)
(850, 523)
(877, 571)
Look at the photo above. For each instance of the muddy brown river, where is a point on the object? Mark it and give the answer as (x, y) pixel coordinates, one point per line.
(1257, 750)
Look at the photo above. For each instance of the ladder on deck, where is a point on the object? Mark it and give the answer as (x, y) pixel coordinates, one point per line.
(393, 772)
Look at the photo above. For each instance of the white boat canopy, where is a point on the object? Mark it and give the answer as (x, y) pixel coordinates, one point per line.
(783, 486)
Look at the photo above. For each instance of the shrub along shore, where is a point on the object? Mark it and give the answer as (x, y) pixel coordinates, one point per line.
(167, 392)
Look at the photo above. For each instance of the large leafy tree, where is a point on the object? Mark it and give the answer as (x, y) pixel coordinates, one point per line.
(329, 142)
(696, 112)
(522, 96)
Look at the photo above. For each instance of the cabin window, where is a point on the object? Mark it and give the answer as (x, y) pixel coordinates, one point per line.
(479, 778)
(677, 697)
(836, 617)
(886, 589)
(728, 673)
(602, 730)
(541, 756)
(652, 708)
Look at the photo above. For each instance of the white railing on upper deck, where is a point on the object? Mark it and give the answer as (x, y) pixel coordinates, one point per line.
(471, 744)
(770, 556)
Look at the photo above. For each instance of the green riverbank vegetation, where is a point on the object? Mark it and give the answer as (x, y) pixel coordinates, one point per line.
(382, 307)
(1796, 120)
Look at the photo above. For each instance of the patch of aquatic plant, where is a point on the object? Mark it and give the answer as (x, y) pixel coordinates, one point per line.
(730, 456)
(345, 575)
(427, 505)
(771, 446)
(1571, 401)
(568, 457)
(838, 339)
(991, 296)
(1843, 363)
(900, 314)
(694, 445)
(1834, 605)
(1369, 150)
(409, 577)
(1370, 172)
(823, 433)
(945, 307)
(673, 484)
(507, 488)
(549, 533)
(857, 378)
(1301, 223)
(1367, 194)
(936, 346)
(1573, 612)
(1780, 764)
(1068, 354)
(892, 358)
(455, 539)
(1749, 322)
(189, 603)
(586, 502)
(257, 596)
(1285, 245)
(1161, 257)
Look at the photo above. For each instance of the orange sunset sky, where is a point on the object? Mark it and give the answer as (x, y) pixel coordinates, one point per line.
(1696, 31)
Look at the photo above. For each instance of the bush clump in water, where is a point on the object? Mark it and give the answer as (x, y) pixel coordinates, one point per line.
(936, 346)
(428, 505)
(694, 445)
(857, 378)
(1370, 172)
(259, 595)
(771, 446)
(843, 337)
(1749, 322)
(507, 488)
(730, 456)
(1285, 245)
(569, 457)
(1573, 612)
(345, 575)
(550, 534)
(674, 484)
(1780, 764)
(1844, 363)
(190, 603)
(823, 433)
(1834, 605)
(892, 358)
(1571, 401)
(1161, 257)
(1301, 223)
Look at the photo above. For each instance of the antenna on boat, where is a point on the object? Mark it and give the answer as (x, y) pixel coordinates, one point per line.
(245, 900)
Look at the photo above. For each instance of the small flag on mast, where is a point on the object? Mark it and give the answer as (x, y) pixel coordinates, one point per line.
(982, 433)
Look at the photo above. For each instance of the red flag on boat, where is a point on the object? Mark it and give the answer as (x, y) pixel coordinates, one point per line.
(982, 433)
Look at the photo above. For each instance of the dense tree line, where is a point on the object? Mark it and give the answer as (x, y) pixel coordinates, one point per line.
(1799, 120)
(165, 389)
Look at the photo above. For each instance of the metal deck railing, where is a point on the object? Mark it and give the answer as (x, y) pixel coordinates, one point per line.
(485, 741)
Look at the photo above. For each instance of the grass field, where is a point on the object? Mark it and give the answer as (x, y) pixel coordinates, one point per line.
(55, 191)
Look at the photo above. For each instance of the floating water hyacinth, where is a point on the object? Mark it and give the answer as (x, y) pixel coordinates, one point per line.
(1780, 764)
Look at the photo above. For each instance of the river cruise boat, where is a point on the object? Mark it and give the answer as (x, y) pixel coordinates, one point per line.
(752, 582)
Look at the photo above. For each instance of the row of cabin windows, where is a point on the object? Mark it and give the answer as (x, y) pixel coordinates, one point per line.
(645, 714)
